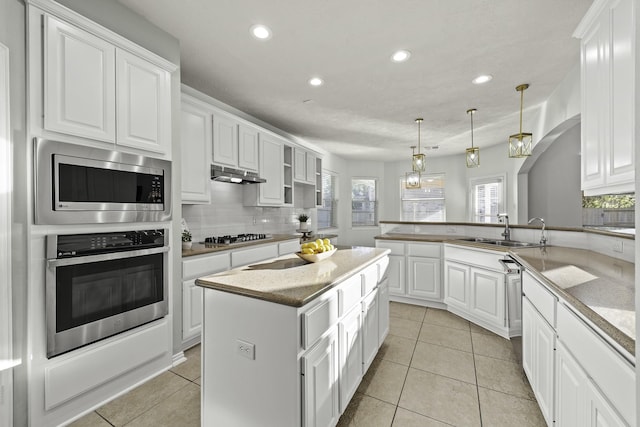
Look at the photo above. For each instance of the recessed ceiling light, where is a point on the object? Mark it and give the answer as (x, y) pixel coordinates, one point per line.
(261, 32)
(316, 81)
(400, 56)
(484, 78)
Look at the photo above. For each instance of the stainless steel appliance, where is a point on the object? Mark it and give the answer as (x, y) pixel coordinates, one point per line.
(234, 176)
(513, 272)
(76, 184)
(240, 238)
(100, 284)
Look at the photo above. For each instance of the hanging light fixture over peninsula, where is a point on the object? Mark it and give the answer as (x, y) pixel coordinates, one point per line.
(520, 143)
(419, 163)
(412, 179)
(473, 153)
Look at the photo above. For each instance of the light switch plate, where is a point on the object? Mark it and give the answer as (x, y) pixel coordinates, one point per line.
(246, 349)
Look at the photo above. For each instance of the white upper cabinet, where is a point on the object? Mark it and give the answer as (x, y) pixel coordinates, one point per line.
(271, 161)
(79, 82)
(607, 34)
(234, 145)
(97, 85)
(225, 141)
(195, 144)
(248, 148)
(304, 167)
(143, 104)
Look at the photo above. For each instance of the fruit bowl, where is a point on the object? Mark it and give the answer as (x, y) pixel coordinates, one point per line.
(316, 257)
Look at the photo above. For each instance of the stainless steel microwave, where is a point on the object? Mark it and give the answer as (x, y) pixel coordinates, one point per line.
(76, 184)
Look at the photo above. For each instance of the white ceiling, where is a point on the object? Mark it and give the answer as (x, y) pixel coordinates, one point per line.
(368, 104)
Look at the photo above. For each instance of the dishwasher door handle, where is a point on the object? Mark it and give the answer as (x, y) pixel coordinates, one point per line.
(510, 266)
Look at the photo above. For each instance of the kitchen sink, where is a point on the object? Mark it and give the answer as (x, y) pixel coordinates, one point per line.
(508, 243)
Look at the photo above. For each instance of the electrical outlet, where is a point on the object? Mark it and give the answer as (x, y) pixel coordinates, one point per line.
(618, 246)
(246, 349)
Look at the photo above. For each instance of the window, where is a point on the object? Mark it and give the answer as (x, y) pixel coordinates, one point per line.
(328, 211)
(487, 198)
(426, 203)
(363, 202)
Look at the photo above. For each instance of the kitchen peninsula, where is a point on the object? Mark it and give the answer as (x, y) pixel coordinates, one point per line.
(286, 342)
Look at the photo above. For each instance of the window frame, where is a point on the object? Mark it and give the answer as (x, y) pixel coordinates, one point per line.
(487, 179)
(334, 222)
(376, 220)
(439, 175)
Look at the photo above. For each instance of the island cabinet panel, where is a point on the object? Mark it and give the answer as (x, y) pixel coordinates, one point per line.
(315, 354)
(383, 311)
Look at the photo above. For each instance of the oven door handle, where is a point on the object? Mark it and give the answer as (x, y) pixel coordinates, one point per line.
(104, 257)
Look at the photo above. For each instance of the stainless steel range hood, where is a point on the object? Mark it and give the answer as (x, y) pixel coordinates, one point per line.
(234, 176)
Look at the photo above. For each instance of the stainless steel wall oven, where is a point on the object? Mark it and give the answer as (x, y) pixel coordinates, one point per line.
(76, 184)
(100, 284)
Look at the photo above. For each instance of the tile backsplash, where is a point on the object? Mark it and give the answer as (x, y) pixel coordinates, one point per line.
(227, 215)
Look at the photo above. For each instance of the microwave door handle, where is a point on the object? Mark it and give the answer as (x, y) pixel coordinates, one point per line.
(104, 257)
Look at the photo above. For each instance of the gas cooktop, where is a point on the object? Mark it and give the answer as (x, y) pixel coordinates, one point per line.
(240, 238)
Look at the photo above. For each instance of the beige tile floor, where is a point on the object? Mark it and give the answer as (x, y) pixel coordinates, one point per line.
(434, 369)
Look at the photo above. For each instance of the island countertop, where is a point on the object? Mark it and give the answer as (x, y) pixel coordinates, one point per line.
(290, 280)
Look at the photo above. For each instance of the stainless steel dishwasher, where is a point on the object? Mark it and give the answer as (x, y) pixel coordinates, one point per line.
(513, 273)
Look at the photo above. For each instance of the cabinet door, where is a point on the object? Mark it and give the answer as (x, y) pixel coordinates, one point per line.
(299, 164)
(488, 297)
(456, 284)
(225, 141)
(247, 148)
(79, 82)
(538, 343)
(621, 159)
(271, 169)
(424, 278)
(195, 145)
(310, 169)
(383, 311)
(396, 273)
(349, 330)
(601, 412)
(191, 309)
(143, 104)
(571, 382)
(370, 329)
(320, 383)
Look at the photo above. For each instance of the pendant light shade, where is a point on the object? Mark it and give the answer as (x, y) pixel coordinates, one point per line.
(419, 163)
(520, 143)
(412, 179)
(473, 153)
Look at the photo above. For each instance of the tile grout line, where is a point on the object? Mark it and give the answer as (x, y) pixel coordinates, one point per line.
(475, 371)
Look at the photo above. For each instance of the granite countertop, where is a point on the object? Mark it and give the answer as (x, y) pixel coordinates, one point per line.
(201, 248)
(290, 280)
(600, 287)
(436, 238)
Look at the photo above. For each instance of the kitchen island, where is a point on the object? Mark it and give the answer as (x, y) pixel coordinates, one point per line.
(286, 342)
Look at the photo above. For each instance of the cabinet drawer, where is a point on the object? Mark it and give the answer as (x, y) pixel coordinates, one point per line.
(317, 320)
(369, 279)
(430, 250)
(396, 248)
(248, 256)
(349, 294)
(540, 297)
(477, 257)
(612, 374)
(288, 247)
(203, 266)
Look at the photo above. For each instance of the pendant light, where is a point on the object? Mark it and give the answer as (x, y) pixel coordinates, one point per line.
(419, 163)
(520, 143)
(473, 153)
(412, 179)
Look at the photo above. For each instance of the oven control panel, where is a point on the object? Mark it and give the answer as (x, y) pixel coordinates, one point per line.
(75, 245)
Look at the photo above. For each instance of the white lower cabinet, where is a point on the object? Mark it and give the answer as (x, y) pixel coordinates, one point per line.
(396, 273)
(424, 277)
(570, 390)
(601, 411)
(370, 342)
(383, 311)
(456, 289)
(538, 344)
(349, 329)
(488, 295)
(320, 383)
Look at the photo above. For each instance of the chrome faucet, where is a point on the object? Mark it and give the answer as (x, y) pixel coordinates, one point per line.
(543, 238)
(503, 217)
